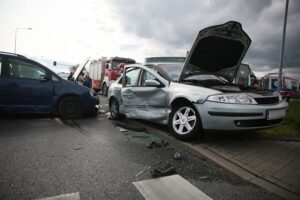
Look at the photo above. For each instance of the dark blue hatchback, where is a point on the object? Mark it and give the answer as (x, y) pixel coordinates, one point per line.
(28, 87)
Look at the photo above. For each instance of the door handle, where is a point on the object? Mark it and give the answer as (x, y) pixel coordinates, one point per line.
(127, 95)
(128, 91)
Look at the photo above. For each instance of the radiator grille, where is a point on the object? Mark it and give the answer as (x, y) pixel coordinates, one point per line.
(267, 100)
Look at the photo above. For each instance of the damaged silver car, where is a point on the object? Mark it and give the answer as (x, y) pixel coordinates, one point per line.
(200, 95)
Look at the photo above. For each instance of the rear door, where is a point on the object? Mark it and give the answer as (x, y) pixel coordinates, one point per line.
(26, 86)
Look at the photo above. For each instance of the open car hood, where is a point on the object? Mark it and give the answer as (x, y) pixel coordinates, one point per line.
(217, 50)
(79, 69)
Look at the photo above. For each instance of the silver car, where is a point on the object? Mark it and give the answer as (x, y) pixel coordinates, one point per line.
(201, 94)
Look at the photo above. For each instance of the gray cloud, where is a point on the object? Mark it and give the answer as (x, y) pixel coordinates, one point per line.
(174, 24)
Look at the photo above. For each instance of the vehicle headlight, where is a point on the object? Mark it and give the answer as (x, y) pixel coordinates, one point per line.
(93, 93)
(232, 98)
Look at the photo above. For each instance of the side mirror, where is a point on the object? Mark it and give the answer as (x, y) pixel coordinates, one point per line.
(152, 83)
(45, 78)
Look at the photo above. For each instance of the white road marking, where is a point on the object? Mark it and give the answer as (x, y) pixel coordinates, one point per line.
(71, 196)
(58, 120)
(170, 188)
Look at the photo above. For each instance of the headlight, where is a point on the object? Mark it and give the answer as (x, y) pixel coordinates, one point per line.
(93, 93)
(232, 98)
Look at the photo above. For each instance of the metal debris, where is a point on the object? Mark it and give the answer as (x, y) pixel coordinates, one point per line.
(128, 126)
(121, 129)
(177, 155)
(165, 170)
(102, 109)
(146, 169)
(155, 144)
(203, 177)
(77, 148)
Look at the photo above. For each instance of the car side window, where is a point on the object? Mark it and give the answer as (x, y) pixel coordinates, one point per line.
(147, 76)
(22, 69)
(132, 77)
(54, 78)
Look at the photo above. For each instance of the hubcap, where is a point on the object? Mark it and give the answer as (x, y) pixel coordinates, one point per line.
(70, 108)
(184, 120)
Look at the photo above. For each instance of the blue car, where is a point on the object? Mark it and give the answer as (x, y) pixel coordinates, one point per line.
(27, 86)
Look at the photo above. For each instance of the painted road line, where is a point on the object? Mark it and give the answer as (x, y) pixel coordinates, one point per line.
(169, 188)
(58, 120)
(71, 196)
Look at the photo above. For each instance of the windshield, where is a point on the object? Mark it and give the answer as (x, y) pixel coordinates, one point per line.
(172, 70)
(116, 65)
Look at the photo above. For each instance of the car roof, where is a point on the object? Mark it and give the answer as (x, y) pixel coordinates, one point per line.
(11, 54)
(14, 55)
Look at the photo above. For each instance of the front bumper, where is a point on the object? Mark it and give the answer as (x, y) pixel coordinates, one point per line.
(90, 104)
(237, 117)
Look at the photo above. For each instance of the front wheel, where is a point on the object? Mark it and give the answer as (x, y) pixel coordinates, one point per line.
(70, 107)
(184, 122)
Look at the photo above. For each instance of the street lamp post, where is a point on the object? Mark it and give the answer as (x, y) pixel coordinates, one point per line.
(282, 47)
(16, 32)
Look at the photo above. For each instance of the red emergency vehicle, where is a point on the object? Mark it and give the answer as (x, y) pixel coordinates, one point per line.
(104, 71)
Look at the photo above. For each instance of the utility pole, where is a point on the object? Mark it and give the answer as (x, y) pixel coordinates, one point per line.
(16, 33)
(282, 47)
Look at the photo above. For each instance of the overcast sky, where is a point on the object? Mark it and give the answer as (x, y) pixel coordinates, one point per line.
(71, 30)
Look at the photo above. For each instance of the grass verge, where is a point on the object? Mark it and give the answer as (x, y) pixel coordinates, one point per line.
(291, 126)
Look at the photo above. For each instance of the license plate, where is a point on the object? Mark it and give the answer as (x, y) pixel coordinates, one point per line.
(276, 114)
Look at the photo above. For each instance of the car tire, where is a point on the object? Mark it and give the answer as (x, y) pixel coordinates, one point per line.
(114, 109)
(70, 107)
(184, 122)
(104, 89)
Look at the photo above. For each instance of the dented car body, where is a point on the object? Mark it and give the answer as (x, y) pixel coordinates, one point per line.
(200, 94)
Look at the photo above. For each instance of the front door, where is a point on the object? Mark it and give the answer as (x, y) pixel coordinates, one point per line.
(25, 86)
(142, 101)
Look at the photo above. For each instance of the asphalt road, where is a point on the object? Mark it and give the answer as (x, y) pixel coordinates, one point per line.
(42, 157)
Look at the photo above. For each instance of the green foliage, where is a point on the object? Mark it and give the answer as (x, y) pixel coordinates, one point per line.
(291, 126)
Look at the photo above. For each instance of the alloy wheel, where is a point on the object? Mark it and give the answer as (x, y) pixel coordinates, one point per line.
(184, 120)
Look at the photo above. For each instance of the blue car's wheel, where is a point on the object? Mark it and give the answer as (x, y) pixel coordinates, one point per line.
(70, 107)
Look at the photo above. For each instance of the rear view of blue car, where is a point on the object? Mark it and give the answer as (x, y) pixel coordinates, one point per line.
(29, 87)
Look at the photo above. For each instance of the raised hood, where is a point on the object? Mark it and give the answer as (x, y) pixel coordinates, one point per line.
(217, 50)
(79, 70)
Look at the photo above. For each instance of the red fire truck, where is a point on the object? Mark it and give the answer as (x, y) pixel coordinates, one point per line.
(104, 71)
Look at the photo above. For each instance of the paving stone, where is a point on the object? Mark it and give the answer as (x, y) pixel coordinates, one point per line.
(276, 161)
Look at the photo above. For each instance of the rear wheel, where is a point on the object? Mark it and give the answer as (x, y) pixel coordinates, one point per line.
(104, 89)
(114, 109)
(70, 107)
(184, 122)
